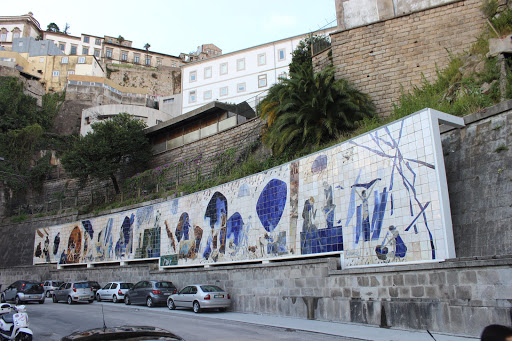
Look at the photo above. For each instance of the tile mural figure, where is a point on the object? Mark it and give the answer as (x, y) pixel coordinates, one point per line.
(334, 201)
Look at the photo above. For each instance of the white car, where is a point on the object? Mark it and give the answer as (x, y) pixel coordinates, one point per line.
(199, 297)
(113, 291)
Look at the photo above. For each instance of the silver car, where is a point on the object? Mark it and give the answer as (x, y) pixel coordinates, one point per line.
(23, 291)
(50, 286)
(200, 296)
(72, 292)
(114, 291)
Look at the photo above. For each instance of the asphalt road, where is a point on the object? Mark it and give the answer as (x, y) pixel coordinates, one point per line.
(52, 321)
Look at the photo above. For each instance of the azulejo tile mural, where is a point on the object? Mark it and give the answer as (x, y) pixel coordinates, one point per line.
(380, 198)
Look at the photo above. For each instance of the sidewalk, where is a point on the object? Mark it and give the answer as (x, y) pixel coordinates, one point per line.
(351, 330)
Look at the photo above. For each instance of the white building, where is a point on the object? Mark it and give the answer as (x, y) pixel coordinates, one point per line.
(239, 76)
(12, 27)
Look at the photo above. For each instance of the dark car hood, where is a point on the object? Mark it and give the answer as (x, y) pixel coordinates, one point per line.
(122, 333)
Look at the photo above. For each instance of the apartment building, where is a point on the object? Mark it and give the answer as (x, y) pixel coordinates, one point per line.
(12, 27)
(122, 54)
(244, 75)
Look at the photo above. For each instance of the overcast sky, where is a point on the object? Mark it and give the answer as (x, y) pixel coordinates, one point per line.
(172, 26)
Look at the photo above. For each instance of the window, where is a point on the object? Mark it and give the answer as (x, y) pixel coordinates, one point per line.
(41, 59)
(43, 46)
(240, 64)
(159, 61)
(262, 81)
(148, 60)
(71, 72)
(282, 75)
(223, 91)
(62, 46)
(193, 76)
(97, 53)
(208, 72)
(192, 96)
(20, 44)
(97, 41)
(64, 60)
(223, 68)
(109, 53)
(3, 36)
(86, 39)
(81, 60)
(56, 73)
(281, 54)
(15, 35)
(240, 87)
(124, 56)
(85, 50)
(136, 59)
(73, 50)
(262, 59)
(207, 94)
(169, 100)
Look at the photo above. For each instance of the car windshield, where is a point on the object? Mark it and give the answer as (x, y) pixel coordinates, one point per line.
(81, 285)
(210, 288)
(126, 285)
(164, 285)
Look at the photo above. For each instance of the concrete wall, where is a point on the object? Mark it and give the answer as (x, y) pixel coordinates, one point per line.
(236, 137)
(353, 13)
(381, 57)
(150, 116)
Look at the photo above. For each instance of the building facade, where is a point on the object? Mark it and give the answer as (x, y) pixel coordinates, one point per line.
(244, 75)
(12, 27)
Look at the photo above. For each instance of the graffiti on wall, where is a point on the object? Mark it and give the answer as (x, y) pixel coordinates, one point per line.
(377, 198)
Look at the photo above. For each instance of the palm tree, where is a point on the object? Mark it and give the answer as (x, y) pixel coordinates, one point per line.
(310, 109)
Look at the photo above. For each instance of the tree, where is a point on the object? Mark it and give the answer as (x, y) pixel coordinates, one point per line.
(311, 109)
(147, 46)
(66, 29)
(22, 133)
(52, 27)
(301, 56)
(120, 39)
(114, 145)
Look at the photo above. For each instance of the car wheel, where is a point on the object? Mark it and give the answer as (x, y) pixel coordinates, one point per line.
(90, 301)
(222, 310)
(17, 300)
(70, 300)
(127, 300)
(42, 301)
(2, 299)
(114, 299)
(98, 298)
(170, 304)
(55, 299)
(197, 307)
(149, 302)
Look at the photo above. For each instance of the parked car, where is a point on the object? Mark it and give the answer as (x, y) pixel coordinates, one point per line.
(150, 293)
(49, 286)
(23, 291)
(114, 291)
(71, 292)
(95, 287)
(200, 296)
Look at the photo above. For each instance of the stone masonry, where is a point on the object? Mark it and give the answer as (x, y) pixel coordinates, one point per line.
(382, 57)
(458, 296)
(236, 137)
